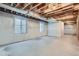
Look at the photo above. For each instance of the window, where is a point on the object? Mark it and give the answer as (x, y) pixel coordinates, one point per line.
(20, 25)
(42, 26)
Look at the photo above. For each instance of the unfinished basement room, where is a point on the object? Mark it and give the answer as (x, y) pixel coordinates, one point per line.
(39, 29)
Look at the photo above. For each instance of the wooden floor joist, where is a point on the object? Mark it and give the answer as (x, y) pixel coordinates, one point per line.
(59, 8)
(26, 5)
(35, 6)
(18, 4)
(71, 6)
(41, 8)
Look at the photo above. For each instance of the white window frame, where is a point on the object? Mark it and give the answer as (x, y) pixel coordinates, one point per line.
(20, 25)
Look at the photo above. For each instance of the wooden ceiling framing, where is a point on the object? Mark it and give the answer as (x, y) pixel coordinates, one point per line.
(26, 5)
(60, 11)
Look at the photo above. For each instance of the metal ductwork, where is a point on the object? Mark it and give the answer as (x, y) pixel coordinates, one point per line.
(13, 9)
(33, 14)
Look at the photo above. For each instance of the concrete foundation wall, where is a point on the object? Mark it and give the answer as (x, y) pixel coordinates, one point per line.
(70, 29)
(7, 32)
(56, 29)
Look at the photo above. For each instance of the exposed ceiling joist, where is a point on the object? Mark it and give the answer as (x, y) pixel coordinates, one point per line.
(67, 17)
(23, 12)
(42, 7)
(67, 12)
(39, 10)
(18, 4)
(60, 10)
(63, 14)
(26, 5)
(35, 6)
(13, 9)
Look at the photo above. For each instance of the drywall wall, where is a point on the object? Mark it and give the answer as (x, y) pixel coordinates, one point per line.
(56, 29)
(7, 32)
(70, 29)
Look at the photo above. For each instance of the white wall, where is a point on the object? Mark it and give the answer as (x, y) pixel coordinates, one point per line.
(7, 32)
(70, 29)
(56, 29)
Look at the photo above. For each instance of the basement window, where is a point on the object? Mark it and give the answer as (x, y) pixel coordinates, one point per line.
(20, 25)
(42, 26)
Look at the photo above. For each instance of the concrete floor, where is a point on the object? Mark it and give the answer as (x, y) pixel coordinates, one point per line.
(46, 46)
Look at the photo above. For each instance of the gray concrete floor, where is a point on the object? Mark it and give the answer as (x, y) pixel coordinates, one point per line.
(46, 46)
(65, 46)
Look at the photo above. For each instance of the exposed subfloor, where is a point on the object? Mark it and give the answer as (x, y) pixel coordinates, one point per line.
(46, 46)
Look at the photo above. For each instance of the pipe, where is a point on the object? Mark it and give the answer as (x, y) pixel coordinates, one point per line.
(22, 11)
(13, 9)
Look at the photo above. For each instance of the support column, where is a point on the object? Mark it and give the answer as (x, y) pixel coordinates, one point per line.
(77, 26)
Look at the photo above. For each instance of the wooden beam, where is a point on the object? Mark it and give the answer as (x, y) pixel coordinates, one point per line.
(68, 19)
(76, 7)
(13, 9)
(69, 12)
(61, 12)
(35, 6)
(70, 5)
(26, 5)
(18, 4)
(42, 7)
(39, 10)
(60, 16)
